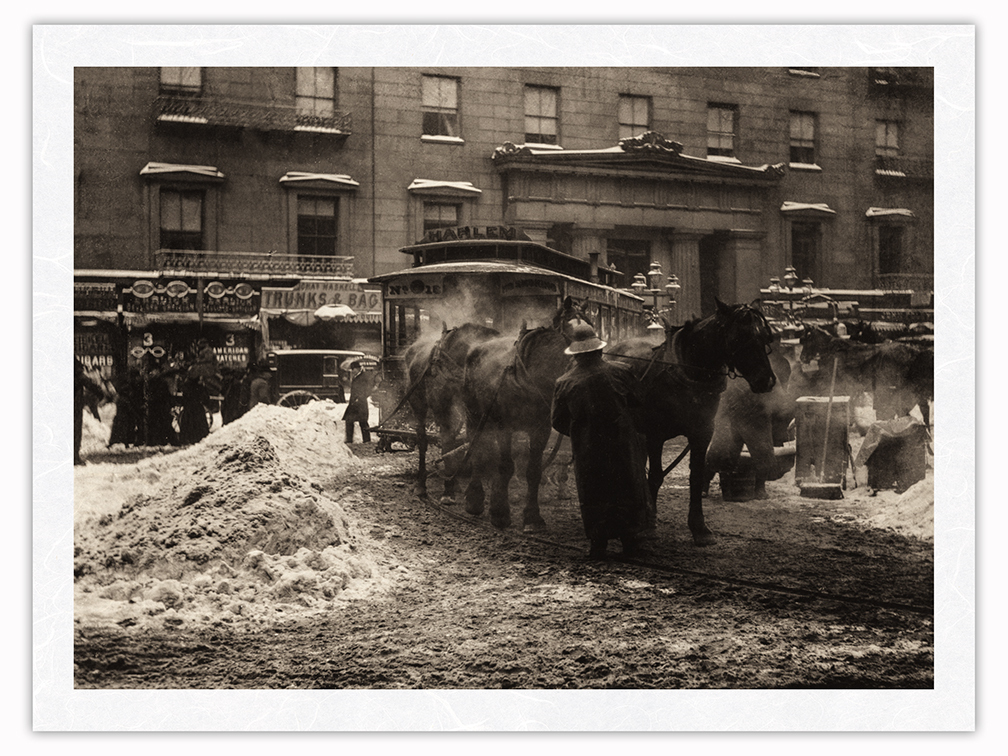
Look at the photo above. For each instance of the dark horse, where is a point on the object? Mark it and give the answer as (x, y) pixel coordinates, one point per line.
(683, 379)
(897, 374)
(435, 372)
(508, 389)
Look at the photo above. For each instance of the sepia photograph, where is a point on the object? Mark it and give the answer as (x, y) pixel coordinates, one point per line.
(486, 374)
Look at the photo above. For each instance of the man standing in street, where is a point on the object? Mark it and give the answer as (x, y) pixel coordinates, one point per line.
(357, 409)
(594, 403)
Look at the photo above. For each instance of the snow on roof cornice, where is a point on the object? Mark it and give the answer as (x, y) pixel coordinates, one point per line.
(421, 186)
(332, 178)
(881, 212)
(155, 169)
(819, 207)
(649, 144)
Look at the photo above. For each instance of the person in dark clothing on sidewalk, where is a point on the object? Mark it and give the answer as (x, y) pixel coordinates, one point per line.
(83, 386)
(357, 409)
(193, 425)
(595, 404)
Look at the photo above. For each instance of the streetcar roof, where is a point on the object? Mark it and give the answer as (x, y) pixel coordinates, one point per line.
(487, 267)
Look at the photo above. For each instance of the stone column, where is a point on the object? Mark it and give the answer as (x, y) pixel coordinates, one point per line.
(685, 263)
(745, 250)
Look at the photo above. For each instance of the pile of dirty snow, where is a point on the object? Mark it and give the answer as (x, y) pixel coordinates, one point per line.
(236, 530)
(911, 512)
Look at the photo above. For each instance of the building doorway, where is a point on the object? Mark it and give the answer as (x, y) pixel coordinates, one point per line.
(717, 274)
(630, 256)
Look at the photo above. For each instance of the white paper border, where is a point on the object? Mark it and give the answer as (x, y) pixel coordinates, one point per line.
(949, 48)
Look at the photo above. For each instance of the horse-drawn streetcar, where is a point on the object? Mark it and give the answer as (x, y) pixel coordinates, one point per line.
(495, 277)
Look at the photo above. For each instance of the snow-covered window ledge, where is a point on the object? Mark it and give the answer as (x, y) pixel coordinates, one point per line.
(724, 159)
(540, 146)
(803, 72)
(804, 167)
(464, 189)
(439, 139)
(301, 179)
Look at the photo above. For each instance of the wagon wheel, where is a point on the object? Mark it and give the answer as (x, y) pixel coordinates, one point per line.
(295, 399)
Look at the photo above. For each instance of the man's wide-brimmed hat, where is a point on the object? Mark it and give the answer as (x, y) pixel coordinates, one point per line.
(583, 340)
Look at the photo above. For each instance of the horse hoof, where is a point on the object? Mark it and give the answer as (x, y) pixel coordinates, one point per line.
(474, 509)
(703, 539)
(420, 493)
(501, 523)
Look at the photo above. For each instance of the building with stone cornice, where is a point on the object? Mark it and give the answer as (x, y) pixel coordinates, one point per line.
(207, 198)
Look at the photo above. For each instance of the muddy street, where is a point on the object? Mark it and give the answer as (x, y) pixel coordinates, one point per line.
(795, 593)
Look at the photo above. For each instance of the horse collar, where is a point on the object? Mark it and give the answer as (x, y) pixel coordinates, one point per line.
(712, 386)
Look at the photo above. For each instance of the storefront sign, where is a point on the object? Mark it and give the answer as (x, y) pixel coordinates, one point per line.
(415, 287)
(94, 348)
(523, 287)
(310, 295)
(183, 296)
(95, 297)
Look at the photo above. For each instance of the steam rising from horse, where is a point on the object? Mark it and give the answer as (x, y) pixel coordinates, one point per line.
(435, 372)
(896, 374)
(508, 389)
(683, 379)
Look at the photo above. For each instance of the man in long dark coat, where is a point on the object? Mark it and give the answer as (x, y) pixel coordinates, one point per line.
(594, 403)
(357, 409)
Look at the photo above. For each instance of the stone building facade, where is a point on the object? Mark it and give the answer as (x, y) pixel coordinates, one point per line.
(282, 178)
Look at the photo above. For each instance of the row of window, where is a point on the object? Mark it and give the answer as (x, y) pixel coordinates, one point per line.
(315, 88)
(181, 221)
(542, 121)
(316, 97)
(181, 226)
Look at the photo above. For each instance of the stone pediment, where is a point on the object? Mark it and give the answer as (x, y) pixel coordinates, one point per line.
(650, 153)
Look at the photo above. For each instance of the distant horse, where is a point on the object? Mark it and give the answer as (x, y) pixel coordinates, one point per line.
(890, 371)
(435, 371)
(758, 421)
(683, 380)
(508, 389)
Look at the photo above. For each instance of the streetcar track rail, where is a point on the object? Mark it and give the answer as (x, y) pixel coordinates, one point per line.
(667, 569)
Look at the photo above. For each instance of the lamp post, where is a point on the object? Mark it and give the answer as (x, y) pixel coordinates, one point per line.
(790, 281)
(652, 285)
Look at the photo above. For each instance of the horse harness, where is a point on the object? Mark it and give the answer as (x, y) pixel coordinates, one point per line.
(701, 387)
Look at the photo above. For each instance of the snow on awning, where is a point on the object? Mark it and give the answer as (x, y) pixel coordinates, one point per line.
(886, 212)
(458, 188)
(807, 207)
(164, 169)
(331, 178)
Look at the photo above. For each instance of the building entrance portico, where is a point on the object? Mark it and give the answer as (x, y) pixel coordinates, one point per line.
(645, 202)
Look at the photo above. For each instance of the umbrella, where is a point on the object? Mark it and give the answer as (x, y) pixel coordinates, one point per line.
(367, 362)
(334, 312)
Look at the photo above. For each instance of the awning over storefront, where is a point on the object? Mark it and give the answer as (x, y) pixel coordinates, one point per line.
(308, 317)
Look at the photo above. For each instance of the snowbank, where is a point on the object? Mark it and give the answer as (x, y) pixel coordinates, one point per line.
(235, 528)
